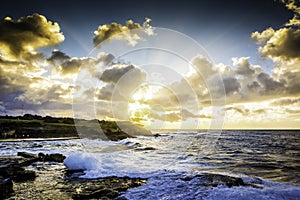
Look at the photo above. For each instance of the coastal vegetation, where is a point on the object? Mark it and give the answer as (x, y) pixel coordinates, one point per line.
(36, 126)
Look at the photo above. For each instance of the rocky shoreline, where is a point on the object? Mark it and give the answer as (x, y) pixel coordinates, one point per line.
(43, 176)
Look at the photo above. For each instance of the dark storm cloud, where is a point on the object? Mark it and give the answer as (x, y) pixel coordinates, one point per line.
(25, 35)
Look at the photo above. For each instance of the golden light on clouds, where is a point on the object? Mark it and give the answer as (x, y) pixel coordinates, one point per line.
(108, 87)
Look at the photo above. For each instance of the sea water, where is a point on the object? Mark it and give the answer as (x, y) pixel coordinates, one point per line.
(270, 159)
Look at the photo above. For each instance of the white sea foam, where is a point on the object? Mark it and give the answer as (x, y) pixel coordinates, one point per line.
(81, 161)
(171, 186)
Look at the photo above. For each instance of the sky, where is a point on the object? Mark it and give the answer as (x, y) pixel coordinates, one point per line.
(237, 63)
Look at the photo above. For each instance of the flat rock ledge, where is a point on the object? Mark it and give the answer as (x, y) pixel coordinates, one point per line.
(12, 169)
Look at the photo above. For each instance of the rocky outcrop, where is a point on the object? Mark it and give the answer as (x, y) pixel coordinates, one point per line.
(67, 183)
(214, 180)
(6, 188)
(23, 175)
(55, 157)
(12, 169)
(101, 188)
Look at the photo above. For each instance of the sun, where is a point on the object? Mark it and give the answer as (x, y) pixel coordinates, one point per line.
(139, 108)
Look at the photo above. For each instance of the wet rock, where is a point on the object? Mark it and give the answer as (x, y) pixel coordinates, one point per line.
(56, 157)
(214, 180)
(26, 154)
(219, 179)
(8, 166)
(6, 188)
(103, 194)
(157, 135)
(28, 162)
(23, 175)
(101, 188)
(146, 149)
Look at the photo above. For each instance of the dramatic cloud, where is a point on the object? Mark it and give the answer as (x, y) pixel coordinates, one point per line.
(58, 57)
(106, 89)
(66, 65)
(11, 82)
(286, 101)
(231, 85)
(242, 111)
(73, 65)
(295, 7)
(269, 84)
(118, 31)
(114, 73)
(186, 114)
(37, 95)
(281, 44)
(120, 81)
(168, 116)
(244, 67)
(27, 34)
(203, 66)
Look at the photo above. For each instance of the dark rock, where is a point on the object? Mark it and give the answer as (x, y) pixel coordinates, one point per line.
(8, 166)
(105, 193)
(26, 154)
(101, 188)
(56, 157)
(157, 135)
(6, 188)
(41, 155)
(23, 175)
(28, 162)
(146, 149)
(214, 180)
(229, 181)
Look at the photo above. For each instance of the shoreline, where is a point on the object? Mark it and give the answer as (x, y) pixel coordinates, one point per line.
(24, 175)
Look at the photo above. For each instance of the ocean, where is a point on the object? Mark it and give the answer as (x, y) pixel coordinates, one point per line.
(173, 162)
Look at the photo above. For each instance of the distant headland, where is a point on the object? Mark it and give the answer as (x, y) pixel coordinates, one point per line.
(36, 126)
